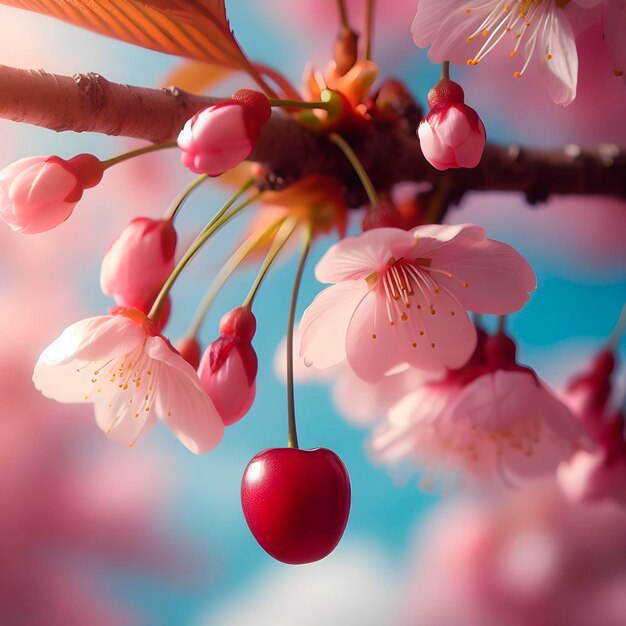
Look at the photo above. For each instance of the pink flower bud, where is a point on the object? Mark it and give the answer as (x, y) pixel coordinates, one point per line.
(39, 193)
(138, 262)
(229, 366)
(451, 135)
(189, 349)
(220, 137)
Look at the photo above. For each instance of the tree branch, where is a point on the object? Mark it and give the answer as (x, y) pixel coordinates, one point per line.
(390, 154)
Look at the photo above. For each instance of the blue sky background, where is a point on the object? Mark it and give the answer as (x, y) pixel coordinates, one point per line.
(572, 312)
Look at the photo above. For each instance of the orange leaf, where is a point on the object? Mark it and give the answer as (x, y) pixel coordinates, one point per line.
(198, 29)
(195, 76)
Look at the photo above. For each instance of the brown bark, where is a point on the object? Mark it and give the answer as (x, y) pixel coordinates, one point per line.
(90, 103)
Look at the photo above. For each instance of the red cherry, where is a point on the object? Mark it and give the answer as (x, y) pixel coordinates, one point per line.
(296, 502)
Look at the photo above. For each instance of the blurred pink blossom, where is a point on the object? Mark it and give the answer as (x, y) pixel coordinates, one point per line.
(598, 474)
(514, 559)
(491, 419)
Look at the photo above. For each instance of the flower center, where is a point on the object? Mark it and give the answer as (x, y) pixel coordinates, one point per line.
(523, 19)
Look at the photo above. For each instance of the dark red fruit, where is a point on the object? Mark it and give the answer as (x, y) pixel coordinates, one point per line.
(296, 502)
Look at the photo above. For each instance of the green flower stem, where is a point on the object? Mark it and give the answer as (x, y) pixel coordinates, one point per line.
(358, 168)
(226, 272)
(281, 238)
(292, 437)
(183, 195)
(138, 152)
(221, 218)
(299, 104)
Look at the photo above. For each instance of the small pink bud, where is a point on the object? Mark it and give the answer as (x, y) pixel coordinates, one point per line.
(229, 366)
(39, 193)
(451, 135)
(220, 137)
(189, 349)
(138, 262)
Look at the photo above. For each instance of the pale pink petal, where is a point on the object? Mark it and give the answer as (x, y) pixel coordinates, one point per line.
(449, 335)
(357, 257)
(499, 279)
(187, 411)
(445, 27)
(409, 436)
(364, 402)
(371, 343)
(114, 419)
(557, 57)
(66, 369)
(324, 324)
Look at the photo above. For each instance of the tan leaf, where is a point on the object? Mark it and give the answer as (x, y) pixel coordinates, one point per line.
(198, 29)
(196, 77)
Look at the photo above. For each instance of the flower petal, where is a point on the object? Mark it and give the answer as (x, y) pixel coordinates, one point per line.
(557, 57)
(180, 402)
(499, 279)
(357, 257)
(325, 323)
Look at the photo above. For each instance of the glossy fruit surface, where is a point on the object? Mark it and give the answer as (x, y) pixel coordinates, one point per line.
(296, 502)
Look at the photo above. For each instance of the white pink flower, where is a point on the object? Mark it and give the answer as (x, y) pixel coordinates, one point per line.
(220, 137)
(400, 298)
(39, 193)
(133, 377)
(138, 262)
(451, 135)
(229, 365)
(489, 419)
(465, 31)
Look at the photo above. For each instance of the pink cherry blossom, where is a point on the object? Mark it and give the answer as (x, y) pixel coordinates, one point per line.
(138, 262)
(133, 376)
(519, 558)
(451, 135)
(490, 418)
(220, 137)
(228, 367)
(463, 31)
(598, 474)
(39, 193)
(401, 298)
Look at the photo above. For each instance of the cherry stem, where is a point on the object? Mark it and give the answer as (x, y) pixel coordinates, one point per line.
(369, 28)
(292, 438)
(501, 324)
(183, 195)
(445, 70)
(138, 152)
(358, 168)
(281, 238)
(220, 218)
(299, 104)
(226, 272)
